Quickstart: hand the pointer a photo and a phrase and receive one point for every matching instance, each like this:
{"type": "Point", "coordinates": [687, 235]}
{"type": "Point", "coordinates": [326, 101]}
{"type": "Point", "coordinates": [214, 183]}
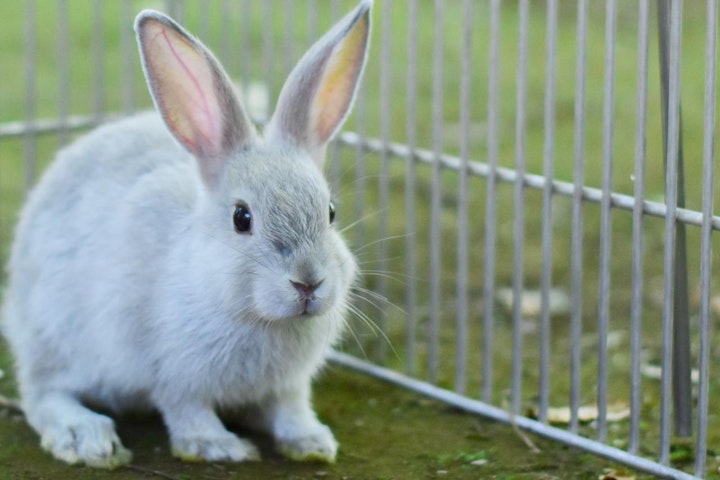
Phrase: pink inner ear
{"type": "Point", "coordinates": [183, 85]}
{"type": "Point", "coordinates": [337, 86]}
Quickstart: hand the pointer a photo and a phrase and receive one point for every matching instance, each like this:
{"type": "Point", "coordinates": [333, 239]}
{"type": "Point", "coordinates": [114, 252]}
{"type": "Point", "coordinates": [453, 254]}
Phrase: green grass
{"type": "Point", "coordinates": [384, 432]}
{"type": "Point", "coordinates": [241, 26]}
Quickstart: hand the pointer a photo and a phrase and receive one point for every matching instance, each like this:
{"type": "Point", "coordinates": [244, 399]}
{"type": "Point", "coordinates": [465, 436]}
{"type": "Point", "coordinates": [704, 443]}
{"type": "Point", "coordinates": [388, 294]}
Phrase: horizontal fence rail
{"type": "Point", "coordinates": [529, 187]}
{"type": "Point", "coordinates": [500, 415]}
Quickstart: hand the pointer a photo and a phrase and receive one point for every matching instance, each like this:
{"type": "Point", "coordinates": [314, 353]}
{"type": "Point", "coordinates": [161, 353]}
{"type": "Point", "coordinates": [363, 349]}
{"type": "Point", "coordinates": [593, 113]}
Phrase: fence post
{"type": "Point", "coordinates": [704, 358]}
{"type": "Point", "coordinates": [682, 394]}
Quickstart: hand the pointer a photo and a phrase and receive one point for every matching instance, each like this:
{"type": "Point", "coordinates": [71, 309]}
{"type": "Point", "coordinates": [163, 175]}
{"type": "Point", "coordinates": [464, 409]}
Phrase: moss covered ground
{"type": "Point", "coordinates": [385, 433]}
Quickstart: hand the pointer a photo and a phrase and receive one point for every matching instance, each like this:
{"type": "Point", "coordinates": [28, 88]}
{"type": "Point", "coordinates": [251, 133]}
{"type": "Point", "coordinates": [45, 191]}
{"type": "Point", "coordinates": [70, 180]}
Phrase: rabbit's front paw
{"type": "Point", "coordinates": [223, 448]}
{"type": "Point", "coordinates": [317, 445]}
{"type": "Point", "coordinates": [90, 440]}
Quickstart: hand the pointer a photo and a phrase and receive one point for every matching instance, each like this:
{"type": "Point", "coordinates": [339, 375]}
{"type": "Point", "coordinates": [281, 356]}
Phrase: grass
{"type": "Point", "coordinates": [242, 33]}
{"type": "Point", "coordinates": [384, 432]}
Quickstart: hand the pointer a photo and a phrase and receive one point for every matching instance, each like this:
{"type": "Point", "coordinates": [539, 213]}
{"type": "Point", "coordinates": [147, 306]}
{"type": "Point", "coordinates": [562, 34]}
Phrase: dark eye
{"type": "Point", "coordinates": [242, 218]}
{"type": "Point", "coordinates": [332, 212]}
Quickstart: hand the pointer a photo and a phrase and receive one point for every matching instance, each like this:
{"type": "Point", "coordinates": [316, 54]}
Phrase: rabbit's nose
{"type": "Point", "coordinates": [306, 290]}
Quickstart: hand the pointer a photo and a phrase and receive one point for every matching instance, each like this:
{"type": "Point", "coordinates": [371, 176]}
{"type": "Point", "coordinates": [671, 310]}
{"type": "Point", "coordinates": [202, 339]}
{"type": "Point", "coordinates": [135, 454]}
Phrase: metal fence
{"type": "Point", "coordinates": [528, 187]}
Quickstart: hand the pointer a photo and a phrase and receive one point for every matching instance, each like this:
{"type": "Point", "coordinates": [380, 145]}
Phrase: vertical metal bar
{"type": "Point", "coordinates": [605, 218]}
{"type": "Point", "coordinates": [637, 230]}
{"type": "Point", "coordinates": [312, 20]}
{"type": "Point", "coordinates": [203, 30]}
{"type": "Point", "coordinates": [682, 363]}
{"type": "Point", "coordinates": [289, 12]}
{"type": "Point", "coordinates": [244, 50]}
{"type": "Point", "coordinates": [706, 236]}
{"type": "Point", "coordinates": [335, 173]}
{"type": "Point", "coordinates": [268, 49]}
{"type": "Point", "coordinates": [227, 36]}
{"type": "Point", "coordinates": [63, 69]}
{"type": "Point", "coordinates": [176, 9]}
{"type": "Point", "coordinates": [435, 197]}
{"type": "Point", "coordinates": [519, 209]}
{"type": "Point", "coordinates": [681, 385]}
{"type": "Point", "coordinates": [671, 198]}
{"type": "Point", "coordinates": [360, 188]}
{"type": "Point", "coordinates": [461, 330]}
{"type": "Point", "coordinates": [30, 58]}
{"type": "Point", "coordinates": [127, 48]}
{"type": "Point", "coordinates": [547, 218]}
{"type": "Point", "coordinates": [491, 204]}
{"type": "Point", "coordinates": [576, 254]}
{"type": "Point", "coordinates": [410, 186]}
{"type": "Point", "coordinates": [360, 109]}
{"type": "Point", "coordinates": [3, 228]}
{"type": "Point", "coordinates": [384, 173]}
{"type": "Point", "coordinates": [334, 10]}
{"type": "Point", "coordinates": [98, 41]}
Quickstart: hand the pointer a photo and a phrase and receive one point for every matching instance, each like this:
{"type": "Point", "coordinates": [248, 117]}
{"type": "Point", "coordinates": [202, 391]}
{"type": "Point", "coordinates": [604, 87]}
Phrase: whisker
{"type": "Point", "coordinates": [373, 297]}
{"type": "Point", "coordinates": [359, 220]}
{"type": "Point", "coordinates": [377, 260]}
{"type": "Point", "coordinates": [365, 319]}
{"type": "Point", "coordinates": [352, 185]}
{"type": "Point", "coordinates": [349, 327]}
{"type": "Point", "coordinates": [396, 277]}
{"type": "Point", "coordinates": [375, 242]}
{"type": "Point", "coordinates": [374, 328]}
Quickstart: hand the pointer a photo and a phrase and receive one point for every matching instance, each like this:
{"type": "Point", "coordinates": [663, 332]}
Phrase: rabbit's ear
{"type": "Point", "coordinates": [320, 90]}
{"type": "Point", "coordinates": [192, 92]}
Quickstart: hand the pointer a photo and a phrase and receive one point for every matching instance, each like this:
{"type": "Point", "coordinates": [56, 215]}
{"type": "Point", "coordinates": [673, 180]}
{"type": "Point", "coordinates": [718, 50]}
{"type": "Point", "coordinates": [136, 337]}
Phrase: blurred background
{"type": "Point", "coordinates": [68, 65]}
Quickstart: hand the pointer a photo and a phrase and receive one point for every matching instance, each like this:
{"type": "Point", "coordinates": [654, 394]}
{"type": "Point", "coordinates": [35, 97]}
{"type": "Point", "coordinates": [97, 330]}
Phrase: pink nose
{"type": "Point", "coordinates": [305, 290]}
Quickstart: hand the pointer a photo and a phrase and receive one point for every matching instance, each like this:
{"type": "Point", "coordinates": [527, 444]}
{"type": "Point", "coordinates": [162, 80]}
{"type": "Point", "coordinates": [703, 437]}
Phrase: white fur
{"type": "Point", "coordinates": [130, 289]}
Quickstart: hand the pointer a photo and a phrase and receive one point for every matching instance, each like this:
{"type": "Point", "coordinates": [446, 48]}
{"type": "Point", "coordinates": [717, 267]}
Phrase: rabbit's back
{"type": "Point", "coordinates": [97, 172]}
{"type": "Point", "coordinates": [108, 162]}
{"type": "Point", "coordinates": [85, 249]}
{"type": "Point", "coordinates": [86, 196]}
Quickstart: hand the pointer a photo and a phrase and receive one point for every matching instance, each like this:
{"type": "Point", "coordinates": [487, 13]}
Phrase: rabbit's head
{"type": "Point", "coordinates": [264, 206]}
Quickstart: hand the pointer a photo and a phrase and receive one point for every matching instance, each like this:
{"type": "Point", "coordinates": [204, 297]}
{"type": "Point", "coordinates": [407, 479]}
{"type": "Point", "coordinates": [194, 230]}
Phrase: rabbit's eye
{"type": "Point", "coordinates": [332, 213]}
{"type": "Point", "coordinates": [242, 218]}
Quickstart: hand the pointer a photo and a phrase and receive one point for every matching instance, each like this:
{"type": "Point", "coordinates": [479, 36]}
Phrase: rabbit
{"type": "Point", "coordinates": [184, 263]}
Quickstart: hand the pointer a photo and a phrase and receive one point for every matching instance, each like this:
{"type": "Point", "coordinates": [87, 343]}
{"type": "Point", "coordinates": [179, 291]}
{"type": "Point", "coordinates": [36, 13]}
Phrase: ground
{"type": "Point", "coordinates": [384, 431]}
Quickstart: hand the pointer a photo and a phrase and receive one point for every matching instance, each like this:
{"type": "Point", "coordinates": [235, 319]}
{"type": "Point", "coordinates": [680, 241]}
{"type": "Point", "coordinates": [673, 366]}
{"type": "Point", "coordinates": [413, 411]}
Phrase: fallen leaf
{"type": "Point", "coordinates": [611, 474]}
{"type": "Point", "coordinates": [531, 301]}
{"type": "Point", "coordinates": [715, 304]}
{"type": "Point", "coordinates": [655, 372]}
{"type": "Point", "coordinates": [586, 414]}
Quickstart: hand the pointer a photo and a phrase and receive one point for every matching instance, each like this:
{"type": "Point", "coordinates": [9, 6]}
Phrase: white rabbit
{"type": "Point", "coordinates": [192, 275]}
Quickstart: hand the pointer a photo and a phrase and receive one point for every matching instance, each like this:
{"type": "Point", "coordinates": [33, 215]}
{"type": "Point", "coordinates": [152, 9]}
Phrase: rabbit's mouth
{"type": "Point", "coordinates": [307, 296]}
{"type": "Point", "coordinates": [301, 309]}
{"type": "Point", "coordinates": [294, 299]}
{"type": "Point", "coordinates": [310, 306]}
